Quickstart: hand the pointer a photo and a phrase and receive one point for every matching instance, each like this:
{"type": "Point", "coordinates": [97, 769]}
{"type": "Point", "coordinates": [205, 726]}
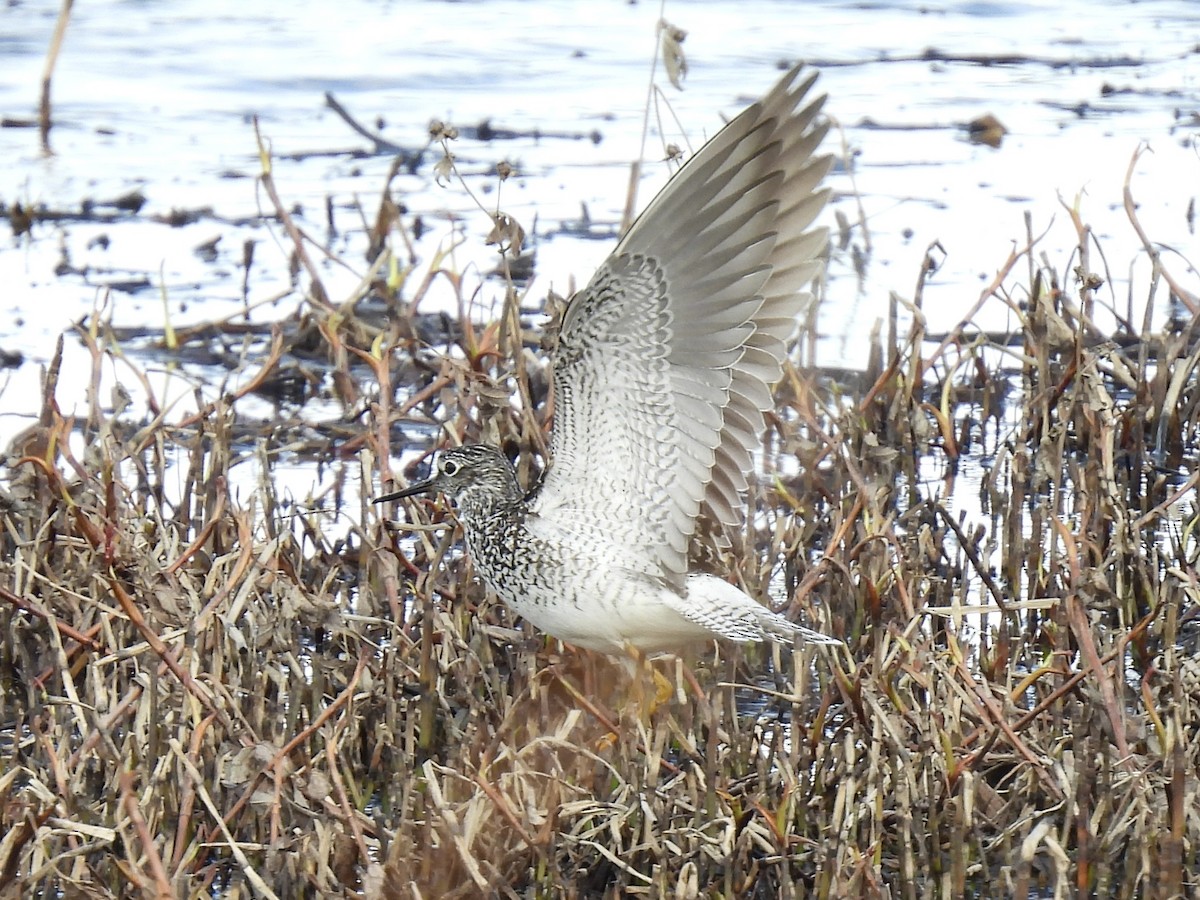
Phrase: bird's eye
{"type": "Point", "coordinates": [449, 467]}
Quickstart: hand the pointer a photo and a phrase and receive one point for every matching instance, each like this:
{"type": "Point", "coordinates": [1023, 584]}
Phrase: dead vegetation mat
{"type": "Point", "coordinates": [212, 690]}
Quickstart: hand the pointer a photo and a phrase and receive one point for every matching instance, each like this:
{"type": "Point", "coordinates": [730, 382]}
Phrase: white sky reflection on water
{"type": "Point", "coordinates": [159, 97]}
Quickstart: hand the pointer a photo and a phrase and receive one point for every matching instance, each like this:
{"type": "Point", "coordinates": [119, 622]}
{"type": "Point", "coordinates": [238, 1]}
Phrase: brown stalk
{"type": "Point", "coordinates": [319, 294]}
{"type": "Point", "coordinates": [339, 786]}
{"type": "Point", "coordinates": [264, 371]}
{"type": "Point", "coordinates": [1077, 617]}
{"type": "Point", "coordinates": [1186, 297]}
{"type": "Point", "coordinates": [73, 633]}
{"type": "Point", "coordinates": [187, 800]}
{"type": "Point", "coordinates": [129, 799]}
{"type": "Point", "coordinates": [275, 765]}
{"type": "Point", "coordinates": [60, 29]}
{"type": "Point", "coordinates": [203, 695]}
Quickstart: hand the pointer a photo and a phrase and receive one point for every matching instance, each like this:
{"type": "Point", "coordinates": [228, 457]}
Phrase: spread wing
{"type": "Point", "coordinates": [666, 359]}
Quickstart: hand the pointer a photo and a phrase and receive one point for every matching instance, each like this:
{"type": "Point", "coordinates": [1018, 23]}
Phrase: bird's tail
{"type": "Point", "coordinates": [730, 613]}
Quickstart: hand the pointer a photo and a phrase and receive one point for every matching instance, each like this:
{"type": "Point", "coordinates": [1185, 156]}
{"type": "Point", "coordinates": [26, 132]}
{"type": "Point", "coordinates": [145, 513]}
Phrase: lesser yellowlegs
{"type": "Point", "coordinates": [663, 370]}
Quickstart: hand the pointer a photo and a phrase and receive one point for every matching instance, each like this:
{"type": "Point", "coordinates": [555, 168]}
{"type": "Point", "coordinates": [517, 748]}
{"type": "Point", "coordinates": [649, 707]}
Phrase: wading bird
{"type": "Point", "coordinates": [664, 368]}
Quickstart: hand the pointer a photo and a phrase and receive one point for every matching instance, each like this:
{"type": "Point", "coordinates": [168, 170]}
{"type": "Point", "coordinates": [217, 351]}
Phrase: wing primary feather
{"type": "Point", "coordinates": [668, 357]}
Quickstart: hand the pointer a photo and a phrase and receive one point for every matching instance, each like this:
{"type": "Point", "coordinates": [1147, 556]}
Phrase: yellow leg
{"type": "Point", "coordinates": [649, 688]}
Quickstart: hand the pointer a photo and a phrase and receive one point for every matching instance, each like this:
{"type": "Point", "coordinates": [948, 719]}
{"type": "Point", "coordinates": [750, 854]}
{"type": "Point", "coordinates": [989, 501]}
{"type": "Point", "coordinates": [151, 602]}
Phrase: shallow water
{"type": "Point", "coordinates": [160, 97]}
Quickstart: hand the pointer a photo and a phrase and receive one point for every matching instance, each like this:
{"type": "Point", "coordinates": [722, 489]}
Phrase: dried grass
{"type": "Point", "coordinates": [205, 695]}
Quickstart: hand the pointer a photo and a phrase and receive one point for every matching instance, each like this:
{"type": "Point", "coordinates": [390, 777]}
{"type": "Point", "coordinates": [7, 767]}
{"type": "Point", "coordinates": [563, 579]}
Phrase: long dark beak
{"type": "Point", "coordinates": [420, 487]}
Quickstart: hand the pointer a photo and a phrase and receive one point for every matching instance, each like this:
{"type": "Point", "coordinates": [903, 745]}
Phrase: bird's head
{"type": "Point", "coordinates": [474, 476]}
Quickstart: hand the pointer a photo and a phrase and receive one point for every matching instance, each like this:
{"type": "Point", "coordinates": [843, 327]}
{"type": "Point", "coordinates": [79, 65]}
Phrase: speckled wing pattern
{"type": "Point", "coordinates": [666, 359]}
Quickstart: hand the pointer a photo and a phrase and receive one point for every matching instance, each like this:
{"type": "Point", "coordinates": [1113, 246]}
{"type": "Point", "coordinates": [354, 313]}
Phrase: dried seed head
{"type": "Point", "coordinates": [444, 168]}
{"type": "Point", "coordinates": [506, 232]}
{"type": "Point", "coordinates": [671, 43]}
{"type": "Point", "coordinates": [440, 131]}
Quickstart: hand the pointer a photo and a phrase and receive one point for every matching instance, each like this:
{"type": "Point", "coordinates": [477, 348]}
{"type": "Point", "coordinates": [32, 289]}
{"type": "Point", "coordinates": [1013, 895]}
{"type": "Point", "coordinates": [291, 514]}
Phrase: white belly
{"type": "Point", "coordinates": [575, 584]}
{"type": "Point", "coordinates": [613, 614]}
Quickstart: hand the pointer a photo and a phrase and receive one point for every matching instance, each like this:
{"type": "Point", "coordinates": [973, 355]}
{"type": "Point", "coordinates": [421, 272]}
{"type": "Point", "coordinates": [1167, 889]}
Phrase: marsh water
{"type": "Point", "coordinates": [158, 101]}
